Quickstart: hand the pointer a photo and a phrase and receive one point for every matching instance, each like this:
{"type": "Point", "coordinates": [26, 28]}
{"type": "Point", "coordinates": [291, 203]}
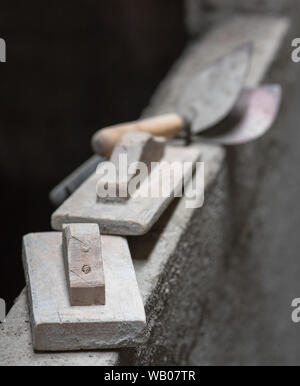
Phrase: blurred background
{"type": "Point", "coordinates": [72, 66]}
{"type": "Point", "coordinates": [75, 66]}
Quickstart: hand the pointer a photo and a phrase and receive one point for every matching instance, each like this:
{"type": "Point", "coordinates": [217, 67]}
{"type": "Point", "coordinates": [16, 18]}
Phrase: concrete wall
{"type": "Point", "coordinates": [199, 13]}
{"type": "Point", "coordinates": [240, 5]}
{"type": "Point", "coordinates": [247, 5]}
{"type": "Point", "coordinates": [260, 276]}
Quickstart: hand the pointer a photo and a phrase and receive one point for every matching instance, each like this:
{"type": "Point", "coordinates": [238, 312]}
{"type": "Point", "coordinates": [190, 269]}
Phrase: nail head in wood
{"type": "Point", "coordinates": [83, 264]}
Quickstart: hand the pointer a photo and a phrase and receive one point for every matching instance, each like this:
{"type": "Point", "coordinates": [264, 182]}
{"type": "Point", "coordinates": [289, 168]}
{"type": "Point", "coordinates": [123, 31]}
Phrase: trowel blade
{"type": "Point", "coordinates": [210, 95]}
{"type": "Point", "coordinates": [252, 117]}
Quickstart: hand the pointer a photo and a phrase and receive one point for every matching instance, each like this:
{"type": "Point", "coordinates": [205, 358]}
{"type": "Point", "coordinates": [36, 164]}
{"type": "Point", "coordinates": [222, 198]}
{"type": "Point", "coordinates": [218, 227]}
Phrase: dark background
{"type": "Point", "coordinates": [71, 66]}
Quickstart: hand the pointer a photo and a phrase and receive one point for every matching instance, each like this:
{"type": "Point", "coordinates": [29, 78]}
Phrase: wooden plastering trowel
{"type": "Point", "coordinates": [121, 213]}
{"type": "Point", "coordinates": [82, 291]}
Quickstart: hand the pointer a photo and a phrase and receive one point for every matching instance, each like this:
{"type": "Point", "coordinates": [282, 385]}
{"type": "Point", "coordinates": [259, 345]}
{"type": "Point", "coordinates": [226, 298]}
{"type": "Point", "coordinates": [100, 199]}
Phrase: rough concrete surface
{"type": "Point", "coordinates": [261, 274]}
{"type": "Point", "coordinates": [16, 345]}
{"type": "Point", "coordinates": [182, 264]}
{"type": "Point", "coordinates": [247, 5]}
{"type": "Point", "coordinates": [199, 13]}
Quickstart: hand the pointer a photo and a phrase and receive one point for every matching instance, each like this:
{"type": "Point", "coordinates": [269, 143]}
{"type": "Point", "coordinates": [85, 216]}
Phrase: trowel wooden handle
{"type": "Point", "coordinates": [167, 125]}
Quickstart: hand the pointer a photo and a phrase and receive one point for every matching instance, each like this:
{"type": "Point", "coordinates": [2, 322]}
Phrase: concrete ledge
{"type": "Point", "coordinates": [246, 5]}
{"type": "Point", "coordinates": [179, 261]}
{"type": "Point", "coordinates": [217, 10]}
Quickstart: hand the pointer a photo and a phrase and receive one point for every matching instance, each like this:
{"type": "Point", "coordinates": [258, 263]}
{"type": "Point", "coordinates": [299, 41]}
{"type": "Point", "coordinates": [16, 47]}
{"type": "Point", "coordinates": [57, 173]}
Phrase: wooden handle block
{"type": "Point", "coordinates": [83, 263]}
{"type": "Point", "coordinates": [135, 147]}
{"type": "Point", "coordinates": [168, 125]}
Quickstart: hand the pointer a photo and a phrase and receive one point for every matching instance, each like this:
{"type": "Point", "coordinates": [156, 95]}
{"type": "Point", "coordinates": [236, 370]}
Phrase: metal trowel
{"type": "Point", "coordinates": [251, 117]}
{"type": "Point", "coordinates": [208, 99]}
